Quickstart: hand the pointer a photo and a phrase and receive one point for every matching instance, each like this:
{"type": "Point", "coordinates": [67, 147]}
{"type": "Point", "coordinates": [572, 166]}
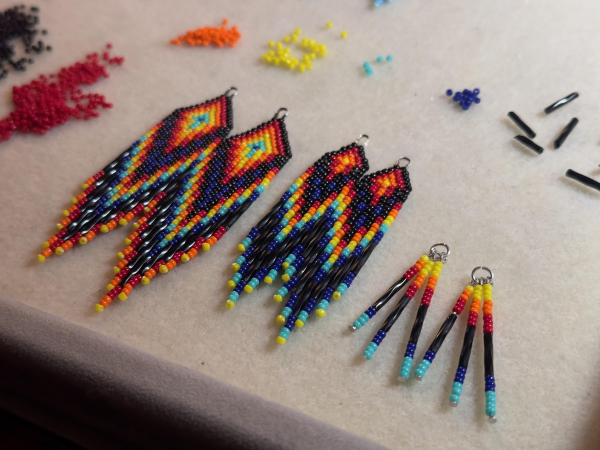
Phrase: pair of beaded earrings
{"type": "Point", "coordinates": [432, 265]}
{"type": "Point", "coordinates": [321, 233]}
{"type": "Point", "coordinates": [190, 182]}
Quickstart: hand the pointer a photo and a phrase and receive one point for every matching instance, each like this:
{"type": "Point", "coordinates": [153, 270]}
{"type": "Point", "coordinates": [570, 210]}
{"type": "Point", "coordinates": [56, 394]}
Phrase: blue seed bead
{"type": "Point", "coordinates": [429, 355]}
{"type": "Point", "coordinates": [477, 100]}
{"type": "Point", "coordinates": [449, 92]}
{"type": "Point", "coordinates": [460, 374]}
{"type": "Point", "coordinates": [476, 91]}
{"type": "Point", "coordinates": [457, 97]}
{"type": "Point", "coordinates": [410, 350]}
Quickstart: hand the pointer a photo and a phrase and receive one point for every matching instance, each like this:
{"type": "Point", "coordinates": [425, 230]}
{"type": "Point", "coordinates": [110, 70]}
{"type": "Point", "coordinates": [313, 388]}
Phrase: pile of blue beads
{"type": "Point", "coordinates": [466, 97]}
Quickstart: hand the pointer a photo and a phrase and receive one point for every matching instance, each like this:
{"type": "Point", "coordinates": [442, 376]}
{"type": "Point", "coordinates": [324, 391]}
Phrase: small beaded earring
{"type": "Point", "coordinates": [434, 262]}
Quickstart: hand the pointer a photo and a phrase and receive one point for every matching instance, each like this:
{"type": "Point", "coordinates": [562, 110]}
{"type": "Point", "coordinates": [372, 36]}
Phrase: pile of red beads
{"type": "Point", "coordinates": [52, 100]}
{"type": "Point", "coordinates": [17, 23]}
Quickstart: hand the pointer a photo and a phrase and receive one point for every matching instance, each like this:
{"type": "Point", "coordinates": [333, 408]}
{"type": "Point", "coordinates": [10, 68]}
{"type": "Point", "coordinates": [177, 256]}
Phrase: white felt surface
{"type": "Point", "coordinates": [492, 201]}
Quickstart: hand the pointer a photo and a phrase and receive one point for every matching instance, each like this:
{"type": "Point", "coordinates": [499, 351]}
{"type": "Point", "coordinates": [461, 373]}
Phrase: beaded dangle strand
{"type": "Point", "coordinates": [379, 198]}
{"type": "Point", "coordinates": [482, 286]}
{"type": "Point", "coordinates": [156, 165]}
{"type": "Point", "coordinates": [322, 192]}
{"type": "Point", "coordinates": [432, 264]}
{"type": "Point", "coordinates": [175, 230]}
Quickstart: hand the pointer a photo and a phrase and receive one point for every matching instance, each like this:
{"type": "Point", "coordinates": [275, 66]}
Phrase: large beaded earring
{"type": "Point", "coordinates": [299, 219]}
{"type": "Point", "coordinates": [196, 214]}
{"type": "Point", "coordinates": [155, 164]}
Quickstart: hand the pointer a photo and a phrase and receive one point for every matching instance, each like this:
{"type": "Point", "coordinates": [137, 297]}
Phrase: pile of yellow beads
{"type": "Point", "coordinates": [281, 55]}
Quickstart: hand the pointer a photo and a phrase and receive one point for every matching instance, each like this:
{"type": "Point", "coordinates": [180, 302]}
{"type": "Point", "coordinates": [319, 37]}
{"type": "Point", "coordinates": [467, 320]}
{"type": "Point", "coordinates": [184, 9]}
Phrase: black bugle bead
{"type": "Point", "coordinates": [589, 182]}
{"type": "Point", "coordinates": [418, 325]}
{"type": "Point", "coordinates": [522, 125]}
{"type": "Point", "coordinates": [529, 144]}
{"type": "Point", "coordinates": [395, 314]}
{"type": "Point", "coordinates": [442, 333]}
{"type": "Point", "coordinates": [563, 101]}
{"type": "Point", "coordinates": [387, 295]}
{"type": "Point", "coordinates": [488, 354]}
{"type": "Point", "coordinates": [465, 352]}
{"type": "Point", "coordinates": [565, 133]}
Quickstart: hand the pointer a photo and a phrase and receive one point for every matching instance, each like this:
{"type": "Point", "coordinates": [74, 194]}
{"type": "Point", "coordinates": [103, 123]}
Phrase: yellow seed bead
{"type": "Point", "coordinates": [235, 267]}
{"type": "Point", "coordinates": [299, 323]}
{"type": "Point", "coordinates": [285, 277]}
{"type": "Point", "coordinates": [285, 265]}
{"type": "Point", "coordinates": [424, 258]}
{"type": "Point", "coordinates": [136, 226]}
{"type": "Point", "coordinates": [297, 31]}
{"type": "Point", "coordinates": [122, 296]}
{"type": "Point", "coordinates": [85, 186]}
{"type": "Point", "coordinates": [59, 227]}
{"type": "Point", "coordinates": [59, 251]}
{"type": "Point", "coordinates": [41, 258]}
{"type": "Point", "coordinates": [294, 38]}
{"type": "Point", "coordinates": [278, 298]}
{"type": "Point", "coordinates": [344, 35]}
{"type": "Point", "coordinates": [280, 340]}
{"type": "Point", "coordinates": [99, 307]}
{"type": "Point", "coordinates": [109, 287]}
{"type": "Point", "coordinates": [74, 200]}
{"type": "Point", "coordinates": [469, 288]}
{"type": "Point", "coordinates": [248, 288]}
{"type": "Point", "coordinates": [83, 241]}
{"type": "Point", "coordinates": [241, 247]}
{"type": "Point", "coordinates": [163, 269]}
{"type": "Point", "coordinates": [321, 313]}
{"type": "Point", "coordinates": [271, 44]}
{"type": "Point", "coordinates": [185, 258]}
{"type": "Point", "coordinates": [229, 304]}
{"type": "Point", "coordinates": [302, 68]}
{"type": "Point", "coordinates": [116, 270]}
{"type": "Point", "coordinates": [337, 295]}
{"type": "Point", "coordinates": [120, 256]}
{"type": "Point", "coordinates": [104, 229]}
{"type": "Point", "coordinates": [286, 39]}
{"type": "Point", "coordinates": [206, 246]}
{"type": "Point", "coordinates": [281, 320]}
{"type": "Point", "coordinates": [65, 213]}
{"type": "Point", "coordinates": [329, 24]}
{"type": "Point", "coordinates": [231, 284]}
{"type": "Point", "coordinates": [312, 55]}
{"type": "Point", "coordinates": [268, 280]}
{"type": "Point", "coordinates": [127, 241]}
{"type": "Point", "coordinates": [46, 245]}
{"type": "Point", "coordinates": [145, 280]}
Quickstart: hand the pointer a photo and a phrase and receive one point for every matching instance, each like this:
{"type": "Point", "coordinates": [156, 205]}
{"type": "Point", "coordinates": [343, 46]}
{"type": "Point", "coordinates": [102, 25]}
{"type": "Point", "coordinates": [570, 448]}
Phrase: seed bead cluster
{"type": "Point", "coordinates": [206, 36]}
{"type": "Point", "coordinates": [280, 55]}
{"type": "Point", "coordinates": [52, 100]}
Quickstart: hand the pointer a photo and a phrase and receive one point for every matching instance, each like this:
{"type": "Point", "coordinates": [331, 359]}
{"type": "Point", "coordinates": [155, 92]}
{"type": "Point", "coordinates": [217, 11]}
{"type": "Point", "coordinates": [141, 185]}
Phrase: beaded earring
{"type": "Point", "coordinates": [156, 164]}
{"type": "Point", "coordinates": [318, 196]}
{"type": "Point", "coordinates": [204, 206]}
{"type": "Point", "coordinates": [482, 285]}
{"type": "Point", "coordinates": [327, 267]}
{"type": "Point", "coordinates": [434, 262]}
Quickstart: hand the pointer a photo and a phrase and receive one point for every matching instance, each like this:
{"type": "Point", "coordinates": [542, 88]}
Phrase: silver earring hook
{"type": "Point", "coordinates": [278, 115]}
{"type": "Point", "coordinates": [231, 92]}
{"type": "Point", "coordinates": [486, 280]}
{"type": "Point", "coordinates": [404, 158]}
{"type": "Point", "coordinates": [365, 143]}
{"type": "Point", "coordinates": [434, 255]}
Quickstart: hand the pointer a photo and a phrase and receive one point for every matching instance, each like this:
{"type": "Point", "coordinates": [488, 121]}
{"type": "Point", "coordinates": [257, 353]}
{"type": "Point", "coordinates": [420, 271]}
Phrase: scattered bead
{"type": "Point", "coordinates": [329, 24]}
{"type": "Point", "coordinates": [344, 35]}
{"type": "Point", "coordinates": [210, 35]}
{"type": "Point", "coordinates": [449, 92]}
{"type": "Point", "coordinates": [389, 58]}
{"type": "Point", "coordinates": [465, 98]}
{"type": "Point", "coordinates": [380, 59]}
{"type": "Point", "coordinates": [46, 102]}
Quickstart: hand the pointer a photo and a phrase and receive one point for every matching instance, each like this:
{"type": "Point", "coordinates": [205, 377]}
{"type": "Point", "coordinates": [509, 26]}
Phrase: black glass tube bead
{"type": "Point", "coordinates": [392, 290]}
{"type": "Point", "coordinates": [442, 333]}
{"type": "Point", "coordinates": [395, 314]}
{"type": "Point", "coordinates": [522, 125]}
{"type": "Point", "coordinates": [530, 144]}
{"type": "Point", "coordinates": [488, 354]}
{"type": "Point", "coordinates": [589, 182]}
{"type": "Point", "coordinates": [418, 325]}
{"type": "Point", "coordinates": [565, 132]}
{"type": "Point", "coordinates": [563, 101]}
{"type": "Point", "coordinates": [465, 352]}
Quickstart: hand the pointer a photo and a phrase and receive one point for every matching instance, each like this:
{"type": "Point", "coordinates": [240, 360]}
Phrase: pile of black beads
{"type": "Point", "coordinates": [17, 23]}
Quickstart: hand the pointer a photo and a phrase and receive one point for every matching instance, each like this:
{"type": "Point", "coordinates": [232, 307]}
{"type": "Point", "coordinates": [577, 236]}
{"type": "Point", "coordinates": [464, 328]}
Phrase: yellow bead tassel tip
{"type": "Point", "coordinates": [280, 55]}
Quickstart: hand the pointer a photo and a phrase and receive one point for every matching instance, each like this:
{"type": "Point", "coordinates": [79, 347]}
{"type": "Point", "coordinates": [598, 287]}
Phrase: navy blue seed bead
{"type": "Point", "coordinates": [490, 383]}
{"type": "Point", "coordinates": [410, 350]}
{"type": "Point", "coordinates": [449, 92]}
{"type": "Point", "coordinates": [290, 322]}
{"type": "Point", "coordinates": [457, 97]}
{"type": "Point", "coordinates": [371, 312]}
{"type": "Point", "coordinates": [460, 374]}
{"type": "Point", "coordinates": [429, 355]}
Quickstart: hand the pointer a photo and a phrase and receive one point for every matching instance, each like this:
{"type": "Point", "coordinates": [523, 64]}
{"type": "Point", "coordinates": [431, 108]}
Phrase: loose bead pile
{"type": "Point", "coordinates": [52, 100]}
{"type": "Point", "coordinates": [369, 69]}
{"type": "Point", "coordinates": [465, 98]}
{"type": "Point", "coordinates": [281, 55]}
{"type": "Point", "coordinates": [16, 23]}
{"type": "Point", "coordinates": [321, 193]}
{"type": "Point", "coordinates": [210, 35]}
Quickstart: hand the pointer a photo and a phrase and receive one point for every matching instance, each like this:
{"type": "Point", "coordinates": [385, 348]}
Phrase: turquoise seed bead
{"type": "Point", "coordinates": [457, 388]}
{"type": "Point", "coordinates": [284, 333]}
{"type": "Point", "coordinates": [233, 296]}
{"type": "Point", "coordinates": [422, 368]}
{"type": "Point", "coordinates": [236, 277]}
{"type": "Point", "coordinates": [286, 312]}
{"type": "Point", "coordinates": [272, 274]}
{"type": "Point", "coordinates": [323, 304]}
{"type": "Point", "coordinates": [260, 188]}
{"type": "Point", "coordinates": [454, 398]}
{"type": "Point", "coordinates": [253, 282]}
{"type": "Point", "coordinates": [240, 260]}
{"type": "Point", "coordinates": [282, 291]}
{"type": "Point", "coordinates": [303, 316]}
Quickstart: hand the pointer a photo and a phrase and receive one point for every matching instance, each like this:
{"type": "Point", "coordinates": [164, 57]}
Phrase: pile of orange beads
{"type": "Point", "coordinates": [281, 55]}
{"type": "Point", "coordinates": [210, 35]}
